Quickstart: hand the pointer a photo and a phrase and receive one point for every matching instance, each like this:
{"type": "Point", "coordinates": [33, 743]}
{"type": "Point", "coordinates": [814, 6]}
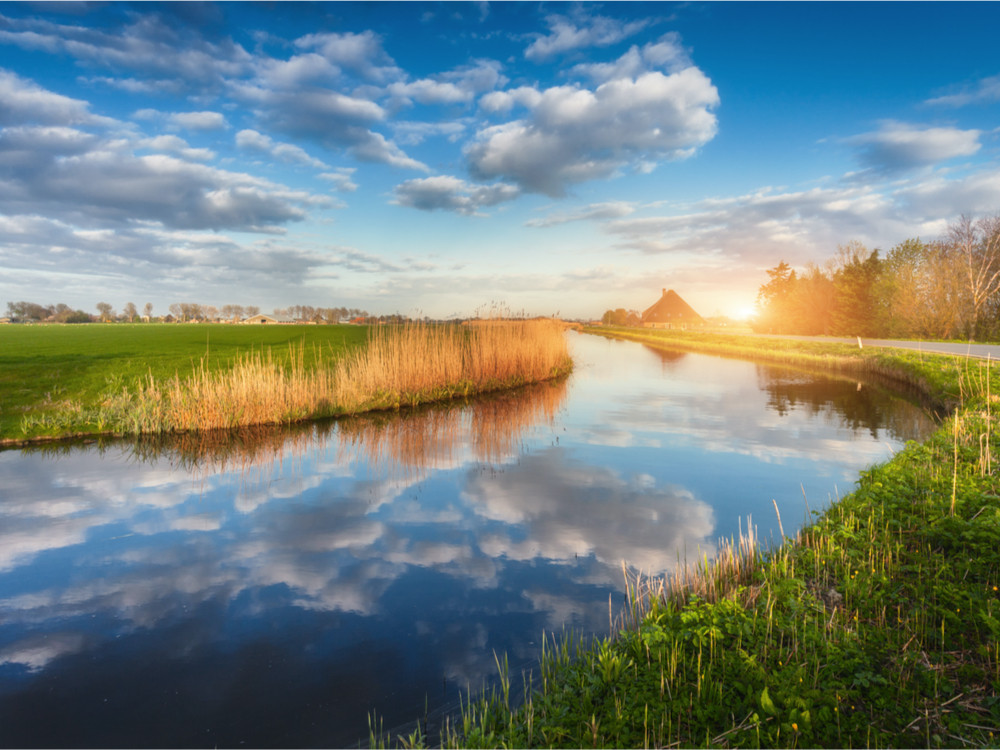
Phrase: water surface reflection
{"type": "Point", "coordinates": [271, 587]}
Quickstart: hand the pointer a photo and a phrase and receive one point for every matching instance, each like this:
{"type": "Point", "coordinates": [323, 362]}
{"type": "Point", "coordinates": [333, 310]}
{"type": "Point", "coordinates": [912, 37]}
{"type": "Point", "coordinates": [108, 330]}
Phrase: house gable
{"type": "Point", "coordinates": [670, 311]}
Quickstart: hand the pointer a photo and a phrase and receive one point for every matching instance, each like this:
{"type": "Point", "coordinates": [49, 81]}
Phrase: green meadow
{"type": "Point", "coordinates": [43, 368]}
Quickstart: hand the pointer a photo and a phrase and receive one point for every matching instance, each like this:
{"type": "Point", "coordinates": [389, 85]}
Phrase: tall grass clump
{"type": "Point", "coordinates": [400, 366]}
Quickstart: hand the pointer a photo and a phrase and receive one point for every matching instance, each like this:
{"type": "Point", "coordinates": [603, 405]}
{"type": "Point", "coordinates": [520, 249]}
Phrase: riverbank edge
{"type": "Point", "coordinates": [878, 624]}
{"type": "Point", "coordinates": [385, 403]}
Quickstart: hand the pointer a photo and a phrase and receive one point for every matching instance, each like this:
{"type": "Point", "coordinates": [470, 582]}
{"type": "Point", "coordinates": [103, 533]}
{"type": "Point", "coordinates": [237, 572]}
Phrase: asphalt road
{"type": "Point", "coordinates": [933, 347]}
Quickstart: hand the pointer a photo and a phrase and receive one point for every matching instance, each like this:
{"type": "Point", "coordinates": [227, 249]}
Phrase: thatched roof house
{"type": "Point", "coordinates": [670, 311]}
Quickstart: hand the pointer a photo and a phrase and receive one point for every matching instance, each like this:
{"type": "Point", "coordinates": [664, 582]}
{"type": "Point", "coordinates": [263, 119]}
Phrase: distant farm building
{"type": "Point", "coordinates": [670, 311]}
{"type": "Point", "coordinates": [269, 320]}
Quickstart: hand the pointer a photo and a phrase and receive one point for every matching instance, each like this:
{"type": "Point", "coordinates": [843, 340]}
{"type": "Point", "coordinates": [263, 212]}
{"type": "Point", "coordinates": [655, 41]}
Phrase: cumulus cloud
{"type": "Point", "coordinates": [567, 34]}
{"type": "Point", "coordinates": [459, 86]}
{"type": "Point", "coordinates": [451, 194]}
{"type": "Point", "coordinates": [898, 147]}
{"type": "Point", "coordinates": [342, 179]}
{"type": "Point", "coordinates": [286, 152]}
{"type": "Point", "coordinates": [147, 45]}
{"type": "Point", "coordinates": [573, 134]}
{"type": "Point", "coordinates": [665, 54]}
{"type": "Point", "coordinates": [175, 145]}
{"type": "Point", "coordinates": [23, 101]}
{"type": "Point", "coordinates": [504, 101]}
{"type": "Point", "coordinates": [413, 133]}
{"type": "Point", "coordinates": [330, 118]}
{"type": "Point", "coordinates": [308, 69]}
{"type": "Point", "coordinates": [361, 53]}
{"type": "Point", "coordinates": [66, 174]}
{"type": "Point", "coordinates": [199, 120]}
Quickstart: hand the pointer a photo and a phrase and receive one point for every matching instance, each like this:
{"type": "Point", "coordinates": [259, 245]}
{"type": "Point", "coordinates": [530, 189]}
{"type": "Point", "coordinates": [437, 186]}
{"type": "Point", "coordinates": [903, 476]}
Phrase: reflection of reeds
{"type": "Point", "coordinates": [240, 450]}
{"type": "Point", "coordinates": [435, 436]}
{"type": "Point", "coordinates": [397, 445]}
{"type": "Point", "coordinates": [401, 366]}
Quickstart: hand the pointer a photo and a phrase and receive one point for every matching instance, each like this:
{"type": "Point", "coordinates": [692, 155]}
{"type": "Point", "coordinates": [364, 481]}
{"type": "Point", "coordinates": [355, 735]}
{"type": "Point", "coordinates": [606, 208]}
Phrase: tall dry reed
{"type": "Point", "coordinates": [400, 366]}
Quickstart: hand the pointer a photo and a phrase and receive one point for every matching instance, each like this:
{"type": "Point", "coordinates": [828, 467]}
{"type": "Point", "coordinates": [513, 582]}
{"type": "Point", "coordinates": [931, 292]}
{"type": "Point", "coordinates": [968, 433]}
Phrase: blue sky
{"type": "Point", "coordinates": [439, 159]}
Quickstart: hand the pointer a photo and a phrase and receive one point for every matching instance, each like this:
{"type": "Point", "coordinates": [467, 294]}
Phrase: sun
{"type": "Point", "coordinates": [745, 313]}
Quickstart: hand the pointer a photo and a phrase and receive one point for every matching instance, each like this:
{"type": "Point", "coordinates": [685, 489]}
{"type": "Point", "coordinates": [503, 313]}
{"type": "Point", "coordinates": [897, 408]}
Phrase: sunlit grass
{"type": "Point", "coordinates": [49, 373]}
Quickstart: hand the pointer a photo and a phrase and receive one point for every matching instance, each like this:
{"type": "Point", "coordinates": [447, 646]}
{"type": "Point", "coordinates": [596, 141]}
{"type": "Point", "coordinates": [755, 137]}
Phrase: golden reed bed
{"type": "Point", "coordinates": [401, 366]}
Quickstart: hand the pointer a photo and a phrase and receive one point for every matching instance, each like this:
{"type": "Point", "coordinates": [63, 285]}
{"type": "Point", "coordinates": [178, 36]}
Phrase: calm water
{"type": "Point", "coordinates": [273, 589]}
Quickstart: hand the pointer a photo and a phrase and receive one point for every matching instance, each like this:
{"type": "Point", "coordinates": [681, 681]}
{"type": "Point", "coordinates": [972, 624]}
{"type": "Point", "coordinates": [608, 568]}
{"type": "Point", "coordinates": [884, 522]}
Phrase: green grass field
{"type": "Point", "coordinates": [43, 367]}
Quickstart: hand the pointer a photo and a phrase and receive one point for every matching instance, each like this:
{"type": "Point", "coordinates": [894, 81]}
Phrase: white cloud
{"type": "Point", "coordinates": [330, 118]}
{"type": "Point", "coordinates": [451, 194]}
{"type": "Point", "coordinates": [174, 145]}
{"type": "Point", "coordinates": [427, 91]}
{"type": "Point", "coordinates": [897, 147]}
{"type": "Point", "coordinates": [504, 101]}
{"type": "Point", "coordinates": [567, 34]}
{"type": "Point", "coordinates": [944, 198]}
{"type": "Point", "coordinates": [361, 53]}
{"type": "Point", "coordinates": [66, 174]}
{"type": "Point", "coordinates": [574, 134]}
{"type": "Point", "coordinates": [286, 152]}
{"type": "Point", "coordinates": [413, 133]}
{"type": "Point", "coordinates": [342, 179]}
{"type": "Point", "coordinates": [459, 86]}
{"type": "Point", "coordinates": [665, 54]}
{"type": "Point", "coordinates": [199, 120]}
{"type": "Point", "coordinates": [984, 91]}
{"type": "Point", "coordinates": [23, 101]}
{"type": "Point", "coordinates": [299, 70]}
{"type": "Point", "coordinates": [148, 45]}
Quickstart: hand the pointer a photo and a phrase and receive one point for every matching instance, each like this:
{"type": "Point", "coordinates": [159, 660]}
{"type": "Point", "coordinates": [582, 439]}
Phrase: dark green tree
{"type": "Point", "coordinates": [857, 310]}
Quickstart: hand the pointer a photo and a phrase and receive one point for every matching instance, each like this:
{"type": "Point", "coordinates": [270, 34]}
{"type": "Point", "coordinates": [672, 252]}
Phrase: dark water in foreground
{"type": "Point", "coordinates": [272, 590]}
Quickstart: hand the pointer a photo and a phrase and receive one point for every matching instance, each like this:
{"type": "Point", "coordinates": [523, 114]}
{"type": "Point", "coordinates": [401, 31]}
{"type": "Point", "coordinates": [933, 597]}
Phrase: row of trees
{"type": "Point", "coordinates": [32, 312]}
{"type": "Point", "coordinates": [621, 317]}
{"type": "Point", "coordinates": [945, 288]}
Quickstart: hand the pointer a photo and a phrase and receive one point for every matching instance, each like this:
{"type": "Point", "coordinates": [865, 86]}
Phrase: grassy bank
{"type": "Point", "coordinates": [879, 624]}
{"type": "Point", "coordinates": [395, 366]}
{"type": "Point", "coordinates": [46, 370]}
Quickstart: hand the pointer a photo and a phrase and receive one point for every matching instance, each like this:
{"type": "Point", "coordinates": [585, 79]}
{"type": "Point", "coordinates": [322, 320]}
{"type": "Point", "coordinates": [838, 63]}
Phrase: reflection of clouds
{"type": "Point", "coordinates": [560, 609]}
{"type": "Point", "coordinates": [48, 505]}
{"type": "Point", "coordinates": [571, 510]}
{"type": "Point", "coordinates": [35, 652]}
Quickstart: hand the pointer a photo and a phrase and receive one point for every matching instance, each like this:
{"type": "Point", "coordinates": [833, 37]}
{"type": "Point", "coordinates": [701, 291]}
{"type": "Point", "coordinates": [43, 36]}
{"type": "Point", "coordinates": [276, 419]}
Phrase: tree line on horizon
{"type": "Point", "coordinates": [940, 289]}
{"type": "Point", "coordinates": [182, 312]}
